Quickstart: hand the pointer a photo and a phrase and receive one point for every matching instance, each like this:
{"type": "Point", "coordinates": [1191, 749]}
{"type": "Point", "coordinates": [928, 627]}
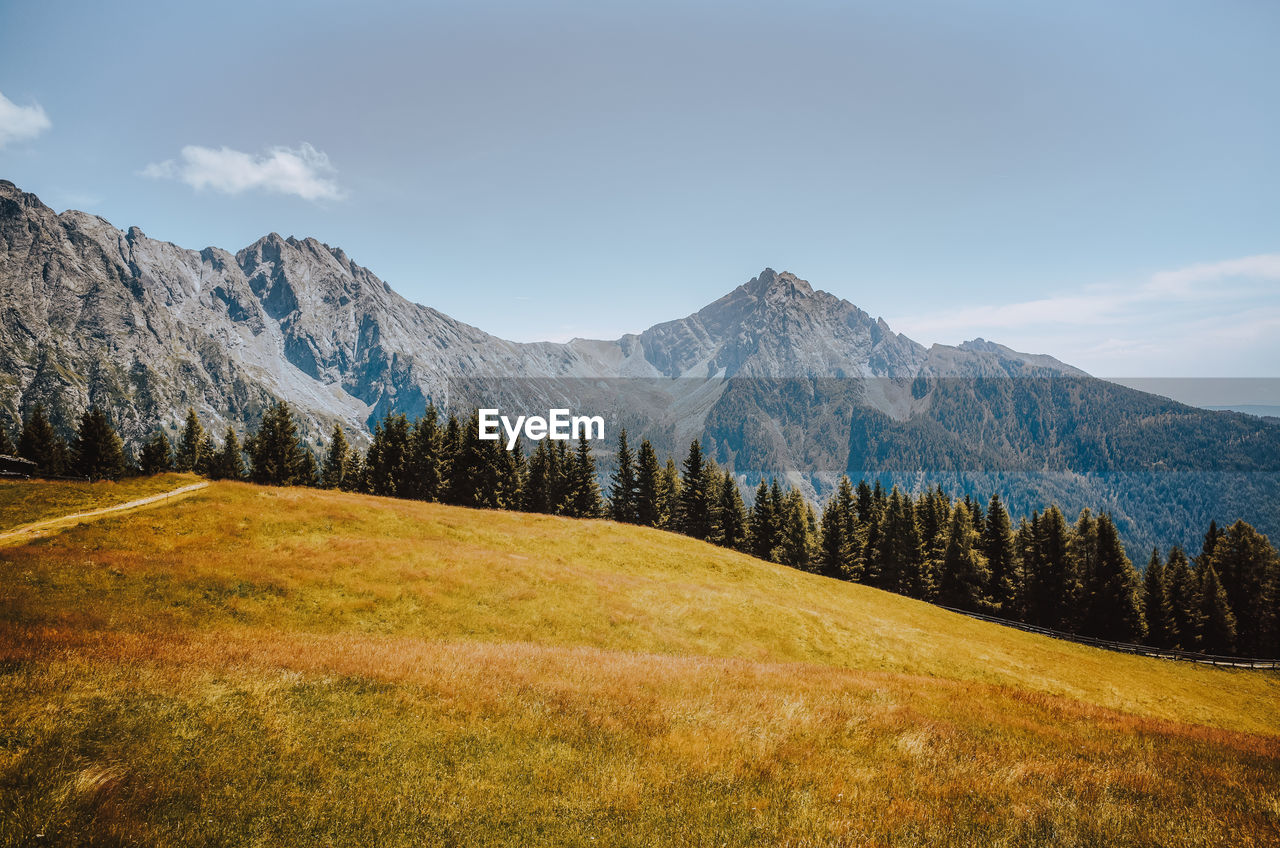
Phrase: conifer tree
{"type": "Point", "coordinates": [584, 491]}
{"type": "Point", "coordinates": [695, 500]}
{"type": "Point", "coordinates": [796, 542]}
{"type": "Point", "coordinates": [964, 578]}
{"type": "Point", "coordinates": [276, 454]}
{"type": "Point", "coordinates": [7, 447]}
{"type": "Point", "coordinates": [476, 473]}
{"type": "Point", "coordinates": [648, 487]}
{"type": "Point", "coordinates": [40, 444]}
{"type": "Point", "coordinates": [933, 517]}
{"type": "Point", "coordinates": [764, 528]}
{"type": "Point", "coordinates": [335, 460]}
{"type": "Point", "coordinates": [1246, 565]}
{"type": "Point", "coordinates": [847, 514]}
{"type": "Point", "coordinates": [831, 529]}
{"type": "Point", "coordinates": [1055, 584]}
{"type": "Point", "coordinates": [427, 456]}
{"type": "Point", "coordinates": [1028, 567]}
{"type": "Point", "coordinates": [97, 452]}
{"type": "Point", "coordinates": [1218, 622]}
{"type": "Point", "coordinates": [901, 561]}
{"type": "Point", "coordinates": [228, 462]}
{"type": "Point", "coordinates": [387, 461]}
{"type": "Point", "coordinates": [670, 499]}
{"type": "Point", "coordinates": [512, 475]}
{"type": "Point", "coordinates": [733, 514]}
{"type": "Point", "coordinates": [624, 493]}
{"type": "Point", "coordinates": [156, 456]}
{"type": "Point", "coordinates": [1115, 592]}
{"type": "Point", "coordinates": [537, 491]}
{"type": "Point", "coordinates": [562, 478]}
{"type": "Point", "coordinates": [354, 477]}
{"type": "Point", "coordinates": [1185, 603]}
{"type": "Point", "coordinates": [871, 520]}
{"type": "Point", "coordinates": [1082, 553]}
{"type": "Point", "coordinates": [188, 455]}
{"type": "Point", "coordinates": [1161, 627]}
{"type": "Point", "coordinates": [1002, 560]}
{"type": "Point", "coordinates": [450, 447]}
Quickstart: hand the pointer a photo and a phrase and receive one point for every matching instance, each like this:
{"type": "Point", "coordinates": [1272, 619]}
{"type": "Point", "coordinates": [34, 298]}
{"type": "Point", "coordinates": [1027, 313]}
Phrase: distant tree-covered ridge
{"type": "Point", "coordinates": [962, 552]}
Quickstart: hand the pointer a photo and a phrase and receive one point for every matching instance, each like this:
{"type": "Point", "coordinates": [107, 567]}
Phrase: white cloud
{"type": "Point", "coordinates": [1213, 318]}
{"type": "Point", "coordinates": [20, 123]}
{"type": "Point", "coordinates": [1182, 281]}
{"type": "Point", "coordinates": [304, 172]}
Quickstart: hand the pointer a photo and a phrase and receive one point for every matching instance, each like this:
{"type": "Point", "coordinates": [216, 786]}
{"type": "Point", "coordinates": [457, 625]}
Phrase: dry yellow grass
{"type": "Point", "coordinates": [267, 666]}
{"type": "Point", "coordinates": [25, 502]}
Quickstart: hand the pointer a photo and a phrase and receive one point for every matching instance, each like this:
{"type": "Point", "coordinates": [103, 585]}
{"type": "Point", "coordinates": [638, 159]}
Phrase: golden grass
{"type": "Point", "coordinates": [28, 501]}
{"type": "Point", "coordinates": [265, 666]}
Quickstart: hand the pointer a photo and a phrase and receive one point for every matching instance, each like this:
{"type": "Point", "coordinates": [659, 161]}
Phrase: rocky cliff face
{"type": "Point", "coordinates": [774, 377]}
{"type": "Point", "coordinates": [147, 328]}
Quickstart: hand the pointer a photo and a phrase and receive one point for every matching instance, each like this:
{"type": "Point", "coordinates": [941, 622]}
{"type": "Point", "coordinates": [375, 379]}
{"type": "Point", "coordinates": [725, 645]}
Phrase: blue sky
{"type": "Point", "coordinates": [1098, 181]}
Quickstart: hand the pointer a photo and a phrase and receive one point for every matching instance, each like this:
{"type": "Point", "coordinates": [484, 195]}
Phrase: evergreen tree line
{"type": "Point", "coordinates": [1075, 577]}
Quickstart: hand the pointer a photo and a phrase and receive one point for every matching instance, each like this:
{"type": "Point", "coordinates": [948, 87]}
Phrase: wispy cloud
{"type": "Point", "coordinates": [304, 172]}
{"type": "Point", "coordinates": [1210, 317]}
{"type": "Point", "coordinates": [21, 123]}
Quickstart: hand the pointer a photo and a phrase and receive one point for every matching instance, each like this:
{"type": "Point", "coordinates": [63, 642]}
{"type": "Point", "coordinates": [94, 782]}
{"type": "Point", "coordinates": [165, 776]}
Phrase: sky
{"type": "Point", "coordinates": [1095, 180]}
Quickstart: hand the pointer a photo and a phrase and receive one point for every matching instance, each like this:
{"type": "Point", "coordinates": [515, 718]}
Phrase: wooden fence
{"type": "Point", "coordinates": [1126, 647]}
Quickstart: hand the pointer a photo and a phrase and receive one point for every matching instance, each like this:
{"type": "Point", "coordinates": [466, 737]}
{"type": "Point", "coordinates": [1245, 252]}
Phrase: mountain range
{"type": "Point", "coordinates": [775, 378]}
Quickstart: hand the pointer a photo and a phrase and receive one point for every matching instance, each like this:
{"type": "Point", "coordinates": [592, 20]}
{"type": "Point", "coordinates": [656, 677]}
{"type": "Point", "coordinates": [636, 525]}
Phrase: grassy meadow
{"type": "Point", "coordinates": [252, 666]}
{"type": "Point", "coordinates": [28, 501]}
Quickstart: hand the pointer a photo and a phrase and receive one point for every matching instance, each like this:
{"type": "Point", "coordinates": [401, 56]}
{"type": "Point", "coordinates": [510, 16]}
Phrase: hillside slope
{"type": "Point", "coordinates": [266, 666]}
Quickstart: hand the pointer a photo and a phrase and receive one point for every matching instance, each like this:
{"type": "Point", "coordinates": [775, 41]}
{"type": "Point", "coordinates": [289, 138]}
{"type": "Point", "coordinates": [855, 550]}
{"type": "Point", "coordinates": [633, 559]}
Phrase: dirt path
{"type": "Point", "coordinates": [48, 526]}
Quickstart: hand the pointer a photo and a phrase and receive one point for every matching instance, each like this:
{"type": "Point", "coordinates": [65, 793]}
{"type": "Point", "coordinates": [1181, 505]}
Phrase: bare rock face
{"type": "Point", "coordinates": [775, 378]}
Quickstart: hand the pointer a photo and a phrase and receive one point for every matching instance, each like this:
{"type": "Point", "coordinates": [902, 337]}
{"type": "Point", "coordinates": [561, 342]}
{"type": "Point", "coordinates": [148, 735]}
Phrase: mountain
{"type": "Point", "coordinates": [775, 378]}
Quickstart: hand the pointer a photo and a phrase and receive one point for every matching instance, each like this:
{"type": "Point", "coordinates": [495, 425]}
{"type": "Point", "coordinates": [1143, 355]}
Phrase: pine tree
{"type": "Point", "coordinates": [1028, 566]}
{"type": "Point", "coordinates": [965, 576]}
{"type": "Point", "coordinates": [584, 491]}
{"type": "Point", "coordinates": [562, 478]}
{"type": "Point", "coordinates": [40, 444]}
{"type": "Point", "coordinates": [7, 447]}
{"type": "Point", "coordinates": [1218, 627]}
{"type": "Point", "coordinates": [335, 460]}
{"type": "Point", "coordinates": [1185, 603]}
{"type": "Point", "coordinates": [1055, 584]}
{"type": "Point", "coordinates": [476, 473]}
{"type": "Point", "coordinates": [537, 490]}
{"type": "Point", "coordinates": [1161, 627]}
{"type": "Point", "coordinates": [733, 514]}
{"type": "Point", "coordinates": [388, 459]}
{"type": "Point", "coordinates": [624, 494]}
{"type": "Point", "coordinates": [796, 543]}
{"type": "Point", "coordinates": [1082, 555]}
{"type": "Point", "coordinates": [831, 530]}
{"type": "Point", "coordinates": [1246, 565]}
{"type": "Point", "coordinates": [276, 455]}
{"type": "Point", "coordinates": [450, 447]}
{"type": "Point", "coordinates": [97, 452]}
{"type": "Point", "coordinates": [764, 524]}
{"type": "Point", "coordinates": [1002, 560]}
{"type": "Point", "coordinates": [669, 499]}
{"type": "Point", "coordinates": [228, 462]}
{"type": "Point", "coordinates": [427, 457]}
{"type": "Point", "coordinates": [156, 456]}
{"type": "Point", "coordinates": [694, 511]}
{"type": "Point", "coordinates": [901, 557]}
{"type": "Point", "coordinates": [1115, 591]}
{"type": "Point", "coordinates": [188, 455]}
{"type": "Point", "coordinates": [648, 486]}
